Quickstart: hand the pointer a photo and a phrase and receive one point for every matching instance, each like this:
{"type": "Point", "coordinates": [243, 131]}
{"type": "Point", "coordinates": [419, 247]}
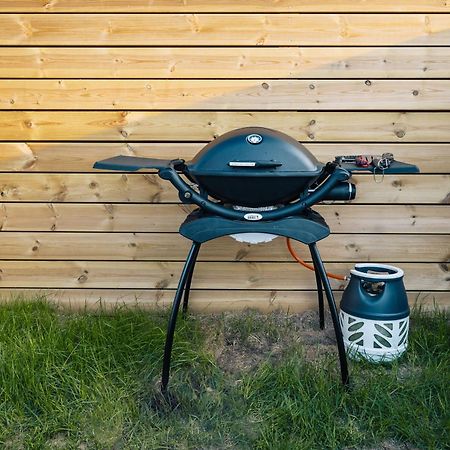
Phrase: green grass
{"type": "Point", "coordinates": [240, 381]}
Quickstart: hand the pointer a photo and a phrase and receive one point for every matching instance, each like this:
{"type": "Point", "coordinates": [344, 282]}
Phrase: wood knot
{"type": "Point", "coordinates": [162, 284]}
{"type": "Point", "coordinates": [241, 254]}
{"type": "Point", "coordinates": [272, 297]}
{"type": "Point", "coordinates": [261, 40]}
{"type": "Point", "coordinates": [265, 85]}
{"type": "Point", "coordinates": [415, 93]}
{"type": "Point", "coordinates": [368, 83]}
{"type": "Point", "coordinates": [82, 278]}
{"type": "Point", "coordinates": [400, 133]}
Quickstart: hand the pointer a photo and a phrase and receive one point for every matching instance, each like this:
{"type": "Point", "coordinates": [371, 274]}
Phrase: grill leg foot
{"type": "Point", "coordinates": [188, 266]}
{"type": "Point", "coordinates": [187, 288]}
{"type": "Point", "coordinates": [334, 314]}
{"type": "Point", "coordinates": [319, 294]}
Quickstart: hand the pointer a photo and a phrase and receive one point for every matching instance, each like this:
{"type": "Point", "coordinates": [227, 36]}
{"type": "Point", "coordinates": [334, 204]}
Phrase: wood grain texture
{"type": "Point", "coordinates": [173, 247]}
{"type": "Point", "coordinates": [263, 94]}
{"type": "Point", "coordinates": [201, 300]}
{"type": "Point", "coordinates": [430, 219]}
{"type": "Point", "coordinates": [205, 126]}
{"type": "Point", "coordinates": [43, 6]}
{"type": "Point", "coordinates": [85, 80]}
{"type": "Point", "coordinates": [221, 275]}
{"type": "Point", "coordinates": [224, 29]}
{"type": "Point", "coordinates": [78, 157]}
{"type": "Point", "coordinates": [224, 62]}
{"type": "Point", "coordinates": [117, 187]}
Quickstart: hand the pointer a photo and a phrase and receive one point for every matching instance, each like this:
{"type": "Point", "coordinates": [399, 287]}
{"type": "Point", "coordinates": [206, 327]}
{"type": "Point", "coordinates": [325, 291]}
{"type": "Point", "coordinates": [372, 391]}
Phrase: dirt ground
{"type": "Point", "coordinates": [240, 349]}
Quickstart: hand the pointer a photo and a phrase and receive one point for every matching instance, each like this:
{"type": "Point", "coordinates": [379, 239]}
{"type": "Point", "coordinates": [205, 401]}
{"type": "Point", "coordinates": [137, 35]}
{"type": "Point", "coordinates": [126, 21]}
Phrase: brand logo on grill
{"type": "Point", "coordinates": [254, 139]}
{"type": "Point", "coordinates": [252, 216]}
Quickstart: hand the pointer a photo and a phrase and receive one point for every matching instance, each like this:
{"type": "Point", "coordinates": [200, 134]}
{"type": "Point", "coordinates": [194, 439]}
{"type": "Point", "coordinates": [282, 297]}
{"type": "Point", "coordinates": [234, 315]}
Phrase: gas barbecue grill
{"type": "Point", "coordinates": [254, 183]}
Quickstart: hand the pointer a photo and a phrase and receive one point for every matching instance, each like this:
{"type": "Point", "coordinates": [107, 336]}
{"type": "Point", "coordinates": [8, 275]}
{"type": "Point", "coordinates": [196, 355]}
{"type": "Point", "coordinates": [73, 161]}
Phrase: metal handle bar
{"type": "Point", "coordinates": [337, 174]}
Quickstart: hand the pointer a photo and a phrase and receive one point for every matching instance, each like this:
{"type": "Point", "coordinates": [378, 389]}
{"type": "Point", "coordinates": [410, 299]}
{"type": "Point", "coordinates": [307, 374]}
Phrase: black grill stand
{"type": "Point", "coordinates": [201, 227]}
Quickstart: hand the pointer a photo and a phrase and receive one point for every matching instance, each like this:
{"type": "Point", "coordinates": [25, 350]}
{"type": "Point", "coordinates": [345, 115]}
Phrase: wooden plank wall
{"type": "Point", "coordinates": [82, 80]}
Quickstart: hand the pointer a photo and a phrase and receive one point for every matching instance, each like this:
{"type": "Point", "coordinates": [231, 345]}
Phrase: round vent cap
{"type": "Point", "coordinates": [254, 139]}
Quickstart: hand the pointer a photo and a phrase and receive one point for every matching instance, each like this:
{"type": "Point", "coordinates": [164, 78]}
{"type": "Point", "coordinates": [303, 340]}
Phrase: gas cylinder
{"type": "Point", "coordinates": [374, 313]}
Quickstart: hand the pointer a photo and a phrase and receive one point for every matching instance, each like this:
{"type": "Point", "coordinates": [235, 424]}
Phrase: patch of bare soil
{"type": "Point", "coordinates": [406, 371]}
{"type": "Point", "coordinates": [244, 340]}
{"type": "Point", "coordinates": [59, 440]}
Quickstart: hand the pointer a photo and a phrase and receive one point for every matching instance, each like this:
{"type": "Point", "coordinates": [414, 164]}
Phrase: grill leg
{"type": "Point", "coordinates": [334, 314]}
{"type": "Point", "coordinates": [319, 294]}
{"type": "Point", "coordinates": [187, 288]}
{"type": "Point", "coordinates": [190, 261]}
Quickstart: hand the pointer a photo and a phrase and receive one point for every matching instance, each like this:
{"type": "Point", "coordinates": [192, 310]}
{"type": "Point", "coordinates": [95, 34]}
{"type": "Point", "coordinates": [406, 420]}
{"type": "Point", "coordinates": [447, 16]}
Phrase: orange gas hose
{"type": "Point", "coordinates": [309, 266]}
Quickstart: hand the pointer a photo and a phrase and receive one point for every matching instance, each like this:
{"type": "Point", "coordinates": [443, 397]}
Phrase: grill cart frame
{"type": "Point", "coordinates": [307, 228]}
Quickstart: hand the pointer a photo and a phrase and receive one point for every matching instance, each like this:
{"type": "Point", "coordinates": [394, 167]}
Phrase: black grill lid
{"type": "Point", "coordinates": [254, 151]}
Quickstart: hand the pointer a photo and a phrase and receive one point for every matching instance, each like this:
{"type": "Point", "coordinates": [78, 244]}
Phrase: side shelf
{"type": "Point", "coordinates": [132, 163]}
{"type": "Point", "coordinates": [396, 167]}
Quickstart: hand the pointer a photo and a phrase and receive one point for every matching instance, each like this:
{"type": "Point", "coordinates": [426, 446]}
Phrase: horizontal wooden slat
{"type": "Point", "coordinates": [220, 275]}
{"type": "Point", "coordinates": [169, 246]}
{"type": "Point", "coordinates": [204, 126]}
{"type": "Point", "coordinates": [78, 157]}
{"type": "Point", "coordinates": [203, 301]}
{"type": "Point", "coordinates": [116, 187]}
{"type": "Point", "coordinates": [167, 218]}
{"type": "Point", "coordinates": [224, 29]}
{"type": "Point", "coordinates": [222, 6]}
{"type": "Point", "coordinates": [225, 62]}
{"type": "Point", "coordinates": [225, 94]}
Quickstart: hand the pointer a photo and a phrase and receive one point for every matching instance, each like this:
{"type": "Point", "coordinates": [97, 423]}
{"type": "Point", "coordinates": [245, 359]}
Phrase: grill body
{"type": "Point", "coordinates": [254, 167]}
{"type": "Point", "coordinates": [250, 167]}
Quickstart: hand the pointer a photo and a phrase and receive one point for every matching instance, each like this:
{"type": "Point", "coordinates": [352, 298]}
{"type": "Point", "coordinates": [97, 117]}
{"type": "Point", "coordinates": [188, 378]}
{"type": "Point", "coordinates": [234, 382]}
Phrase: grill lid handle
{"type": "Point", "coordinates": [255, 164]}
